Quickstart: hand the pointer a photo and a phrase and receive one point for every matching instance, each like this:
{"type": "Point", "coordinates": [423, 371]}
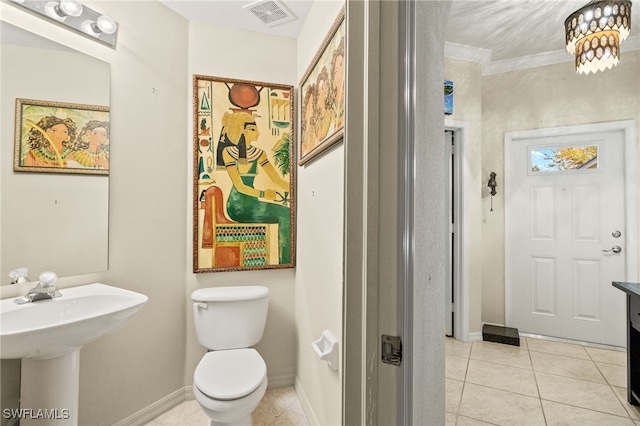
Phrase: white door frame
{"type": "Point", "coordinates": [461, 189]}
{"type": "Point", "coordinates": [366, 398]}
{"type": "Point", "coordinates": [629, 128]}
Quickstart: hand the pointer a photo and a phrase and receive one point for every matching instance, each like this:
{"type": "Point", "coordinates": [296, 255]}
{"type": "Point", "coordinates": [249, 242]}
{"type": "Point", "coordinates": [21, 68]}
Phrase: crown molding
{"type": "Point", "coordinates": [524, 62]}
{"type": "Point", "coordinates": [483, 57]}
{"type": "Point", "coordinates": [467, 53]}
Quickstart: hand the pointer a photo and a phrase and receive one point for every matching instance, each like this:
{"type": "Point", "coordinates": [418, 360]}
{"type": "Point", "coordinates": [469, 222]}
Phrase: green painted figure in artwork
{"type": "Point", "coordinates": [247, 204]}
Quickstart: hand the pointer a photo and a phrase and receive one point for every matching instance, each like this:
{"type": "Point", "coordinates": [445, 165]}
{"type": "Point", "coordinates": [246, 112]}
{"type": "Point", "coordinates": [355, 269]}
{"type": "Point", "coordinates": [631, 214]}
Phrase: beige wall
{"type": "Point", "coordinates": [143, 361]}
{"type": "Point", "coordinates": [150, 213]}
{"type": "Point", "coordinates": [318, 281]}
{"type": "Point", "coordinates": [535, 98]}
{"type": "Point", "coordinates": [222, 52]}
{"type": "Point", "coordinates": [467, 111]}
{"type": "Point", "coordinates": [538, 98]}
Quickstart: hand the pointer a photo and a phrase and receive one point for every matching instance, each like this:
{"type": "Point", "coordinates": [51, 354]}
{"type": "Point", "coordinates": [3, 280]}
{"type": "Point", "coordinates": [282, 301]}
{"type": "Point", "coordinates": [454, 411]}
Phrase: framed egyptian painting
{"type": "Point", "coordinates": [322, 109]}
{"type": "Point", "coordinates": [56, 137]}
{"type": "Point", "coordinates": [243, 175]}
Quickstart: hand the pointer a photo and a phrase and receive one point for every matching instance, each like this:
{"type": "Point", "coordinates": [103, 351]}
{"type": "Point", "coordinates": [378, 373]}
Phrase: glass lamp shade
{"type": "Point", "coordinates": [593, 34]}
{"type": "Point", "coordinates": [597, 52]}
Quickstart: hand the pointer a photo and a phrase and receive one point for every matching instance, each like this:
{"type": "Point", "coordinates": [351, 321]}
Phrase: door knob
{"type": "Point", "coordinates": [614, 249]}
{"type": "Point", "coordinates": [616, 234]}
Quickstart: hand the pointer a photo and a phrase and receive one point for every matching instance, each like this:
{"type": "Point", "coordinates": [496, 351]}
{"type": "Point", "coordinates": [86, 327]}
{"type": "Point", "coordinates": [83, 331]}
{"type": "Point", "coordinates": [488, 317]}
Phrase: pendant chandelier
{"type": "Point", "coordinates": [594, 32]}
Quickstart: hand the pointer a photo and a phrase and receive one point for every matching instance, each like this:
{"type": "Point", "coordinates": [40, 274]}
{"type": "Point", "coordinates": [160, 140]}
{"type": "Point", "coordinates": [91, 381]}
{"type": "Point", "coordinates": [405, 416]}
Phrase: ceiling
{"type": "Point", "coordinates": [235, 14]}
{"type": "Point", "coordinates": [492, 25]}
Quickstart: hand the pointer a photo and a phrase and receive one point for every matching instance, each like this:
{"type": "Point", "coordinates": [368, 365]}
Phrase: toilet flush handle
{"type": "Point", "coordinates": [202, 305]}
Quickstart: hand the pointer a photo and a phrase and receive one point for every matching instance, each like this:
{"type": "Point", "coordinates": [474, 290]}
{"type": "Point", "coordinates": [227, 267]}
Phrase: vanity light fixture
{"type": "Point", "coordinates": [73, 15]}
{"type": "Point", "coordinates": [593, 34]}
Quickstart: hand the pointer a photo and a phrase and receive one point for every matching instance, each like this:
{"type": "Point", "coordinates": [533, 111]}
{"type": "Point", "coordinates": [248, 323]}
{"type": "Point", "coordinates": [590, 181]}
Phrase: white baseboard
{"type": "Point", "coordinates": [306, 405]}
{"type": "Point", "coordinates": [186, 394]}
{"type": "Point", "coordinates": [475, 336]}
{"type": "Point", "coordinates": [156, 409]}
{"type": "Point", "coordinates": [281, 381]}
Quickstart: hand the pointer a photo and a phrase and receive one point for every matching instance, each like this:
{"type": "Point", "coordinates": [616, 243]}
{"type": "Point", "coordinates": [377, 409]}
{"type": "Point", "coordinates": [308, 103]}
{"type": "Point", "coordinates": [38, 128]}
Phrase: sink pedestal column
{"type": "Point", "coordinates": [49, 390]}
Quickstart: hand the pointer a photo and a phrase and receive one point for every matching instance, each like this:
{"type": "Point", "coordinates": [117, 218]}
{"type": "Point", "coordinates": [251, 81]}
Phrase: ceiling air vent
{"type": "Point", "coordinates": [271, 12]}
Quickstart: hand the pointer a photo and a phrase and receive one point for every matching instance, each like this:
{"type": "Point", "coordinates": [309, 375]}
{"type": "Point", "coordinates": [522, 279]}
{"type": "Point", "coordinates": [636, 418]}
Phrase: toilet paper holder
{"type": "Point", "coordinates": [327, 349]}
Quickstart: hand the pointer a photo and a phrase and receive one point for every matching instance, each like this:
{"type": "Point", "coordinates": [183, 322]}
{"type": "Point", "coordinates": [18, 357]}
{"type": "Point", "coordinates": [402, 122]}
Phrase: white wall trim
{"type": "Point", "coordinates": [524, 62]}
{"type": "Point", "coordinates": [281, 381]}
{"type": "Point", "coordinates": [188, 393]}
{"type": "Point", "coordinates": [475, 336]}
{"type": "Point", "coordinates": [631, 197]}
{"type": "Point", "coordinates": [306, 405]}
{"type": "Point", "coordinates": [463, 188]}
{"type": "Point", "coordinates": [467, 53]}
{"type": "Point", "coordinates": [156, 409]}
{"type": "Point", "coordinates": [176, 398]}
{"type": "Point", "coordinates": [629, 128]}
{"type": "Point", "coordinates": [483, 57]}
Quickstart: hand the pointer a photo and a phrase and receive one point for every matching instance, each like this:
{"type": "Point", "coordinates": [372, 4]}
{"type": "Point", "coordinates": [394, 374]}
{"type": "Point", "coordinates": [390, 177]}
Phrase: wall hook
{"type": "Point", "coordinates": [492, 184]}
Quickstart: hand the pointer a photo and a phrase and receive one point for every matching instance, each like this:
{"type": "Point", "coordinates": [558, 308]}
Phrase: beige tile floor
{"type": "Point", "coordinates": [279, 407]}
{"type": "Point", "coordinates": [541, 382]}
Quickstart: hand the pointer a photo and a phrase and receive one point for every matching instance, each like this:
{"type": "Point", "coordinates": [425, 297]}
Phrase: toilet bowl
{"type": "Point", "coordinates": [229, 385]}
{"type": "Point", "coordinates": [231, 378]}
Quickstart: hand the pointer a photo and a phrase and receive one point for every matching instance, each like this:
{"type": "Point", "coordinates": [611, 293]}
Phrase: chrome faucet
{"type": "Point", "coordinates": [43, 290]}
{"type": "Point", "coordinates": [19, 276]}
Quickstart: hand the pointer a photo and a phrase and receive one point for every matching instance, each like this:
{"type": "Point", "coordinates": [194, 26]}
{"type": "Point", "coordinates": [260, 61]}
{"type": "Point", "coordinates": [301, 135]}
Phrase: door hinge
{"type": "Point", "coordinates": [391, 350]}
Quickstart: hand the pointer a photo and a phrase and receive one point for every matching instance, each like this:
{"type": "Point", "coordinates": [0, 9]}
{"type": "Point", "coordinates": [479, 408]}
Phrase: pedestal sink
{"type": "Point", "coordinates": [48, 335]}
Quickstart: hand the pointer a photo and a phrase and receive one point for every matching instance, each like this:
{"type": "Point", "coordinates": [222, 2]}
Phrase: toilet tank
{"type": "Point", "coordinates": [230, 317]}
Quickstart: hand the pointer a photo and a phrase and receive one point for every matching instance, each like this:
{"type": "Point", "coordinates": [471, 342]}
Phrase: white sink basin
{"type": "Point", "coordinates": [51, 328]}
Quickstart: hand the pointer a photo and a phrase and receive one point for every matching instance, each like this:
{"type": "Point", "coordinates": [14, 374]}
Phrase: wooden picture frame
{"type": "Point", "coordinates": [243, 175]}
{"type": "Point", "coordinates": [322, 92]}
{"type": "Point", "coordinates": [57, 137]}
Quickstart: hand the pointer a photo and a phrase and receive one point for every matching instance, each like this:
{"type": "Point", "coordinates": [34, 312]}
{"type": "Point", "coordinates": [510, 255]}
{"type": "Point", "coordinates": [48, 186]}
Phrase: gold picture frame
{"type": "Point", "coordinates": [322, 92]}
{"type": "Point", "coordinates": [58, 137]}
{"type": "Point", "coordinates": [243, 175]}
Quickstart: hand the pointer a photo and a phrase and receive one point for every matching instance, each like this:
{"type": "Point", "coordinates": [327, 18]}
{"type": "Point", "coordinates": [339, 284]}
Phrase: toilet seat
{"type": "Point", "coordinates": [230, 374]}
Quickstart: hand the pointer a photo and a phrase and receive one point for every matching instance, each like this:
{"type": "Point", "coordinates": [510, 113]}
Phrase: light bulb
{"type": "Point", "coordinates": [60, 11]}
{"type": "Point", "coordinates": [71, 7]}
{"type": "Point", "coordinates": [104, 24]}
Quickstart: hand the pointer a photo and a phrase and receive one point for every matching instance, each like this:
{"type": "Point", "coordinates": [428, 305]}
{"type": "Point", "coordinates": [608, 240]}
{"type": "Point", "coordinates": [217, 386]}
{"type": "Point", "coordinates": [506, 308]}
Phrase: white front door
{"type": "Point", "coordinates": [566, 235]}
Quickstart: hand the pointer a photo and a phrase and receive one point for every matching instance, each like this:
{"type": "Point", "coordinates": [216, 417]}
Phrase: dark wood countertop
{"type": "Point", "coordinates": [632, 289]}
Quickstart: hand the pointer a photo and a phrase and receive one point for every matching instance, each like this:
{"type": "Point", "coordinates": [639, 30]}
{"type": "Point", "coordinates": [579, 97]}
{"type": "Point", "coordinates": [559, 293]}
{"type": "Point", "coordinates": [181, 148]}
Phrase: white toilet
{"type": "Point", "coordinates": [231, 378]}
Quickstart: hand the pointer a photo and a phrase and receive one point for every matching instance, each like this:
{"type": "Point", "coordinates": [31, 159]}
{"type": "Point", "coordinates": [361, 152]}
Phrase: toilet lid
{"type": "Point", "coordinates": [230, 374]}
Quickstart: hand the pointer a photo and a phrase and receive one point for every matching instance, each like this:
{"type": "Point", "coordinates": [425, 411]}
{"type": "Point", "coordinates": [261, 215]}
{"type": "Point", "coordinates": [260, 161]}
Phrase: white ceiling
{"type": "Point", "coordinates": [234, 14]}
{"type": "Point", "coordinates": [515, 28]}
{"type": "Point", "coordinates": [494, 25]}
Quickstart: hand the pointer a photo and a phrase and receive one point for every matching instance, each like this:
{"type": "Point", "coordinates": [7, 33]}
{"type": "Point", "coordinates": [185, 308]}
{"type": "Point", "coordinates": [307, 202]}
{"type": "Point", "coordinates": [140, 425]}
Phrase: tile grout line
{"type": "Point", "coordinates": [588, 381]}
{"type": "Point", "coordinates": [535, 379]}
{"type": "Point", "coordinates": [539, 397]}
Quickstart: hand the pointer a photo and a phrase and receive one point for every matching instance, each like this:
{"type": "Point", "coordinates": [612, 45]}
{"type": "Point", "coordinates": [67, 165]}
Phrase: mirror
{"type": "Point", "coordinates": [49, 221]}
